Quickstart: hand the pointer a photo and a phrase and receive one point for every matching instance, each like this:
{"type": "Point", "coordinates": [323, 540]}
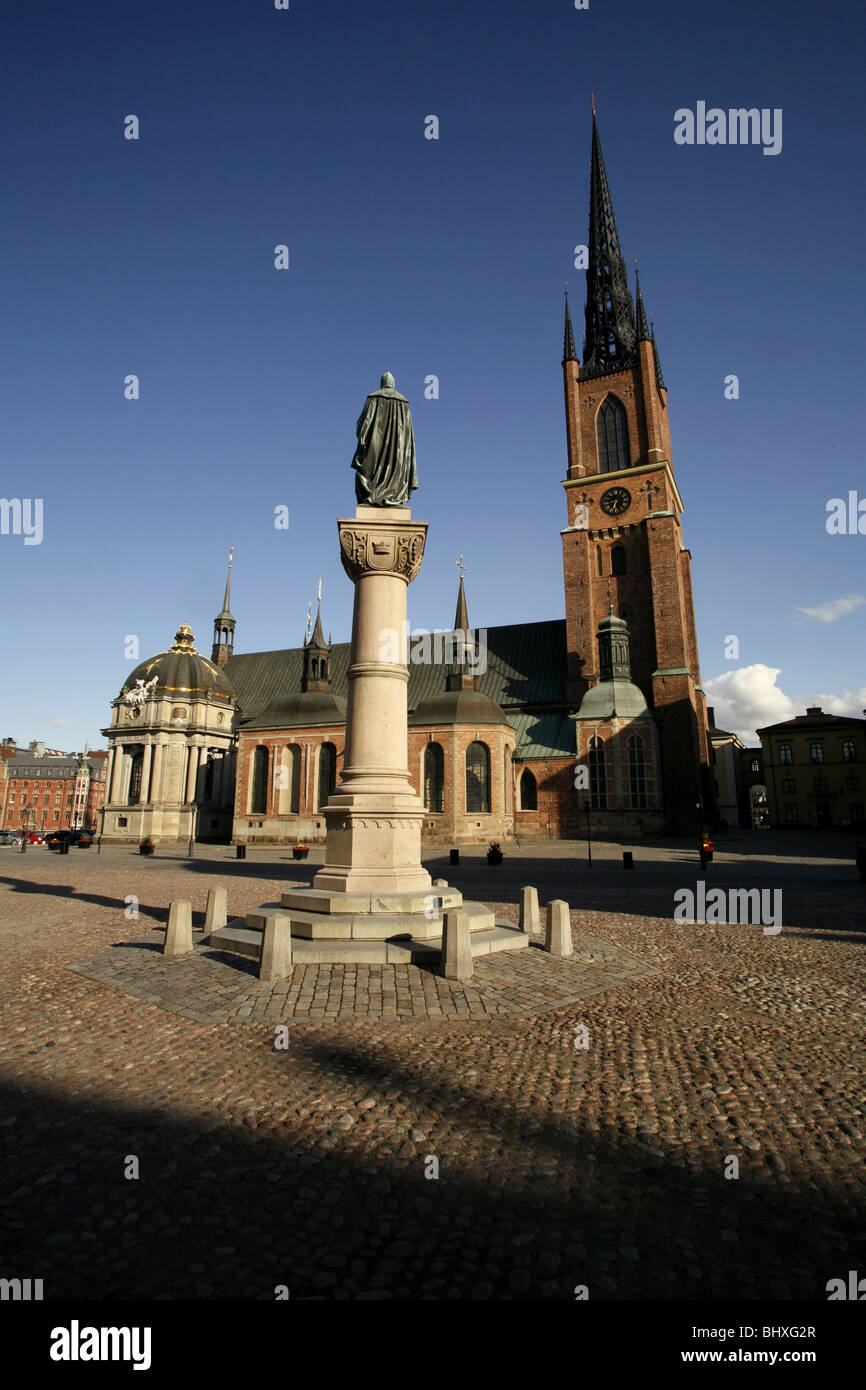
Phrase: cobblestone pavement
{"type": "Point", "coordinates": [215, 988]}
{"type": "Point", "coordinates": [312, 1166]}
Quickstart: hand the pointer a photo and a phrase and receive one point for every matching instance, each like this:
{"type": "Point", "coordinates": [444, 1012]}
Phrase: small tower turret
{"type": "Point", "coordinates": [224, 624]}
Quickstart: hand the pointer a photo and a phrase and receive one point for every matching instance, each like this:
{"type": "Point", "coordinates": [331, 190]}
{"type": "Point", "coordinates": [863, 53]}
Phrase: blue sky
{"type": "Point", "coordinates": [306, 127]}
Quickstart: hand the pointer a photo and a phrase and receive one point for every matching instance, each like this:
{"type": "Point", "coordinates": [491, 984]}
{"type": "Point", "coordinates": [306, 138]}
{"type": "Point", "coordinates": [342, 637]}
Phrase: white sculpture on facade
{"type": "Point", "coordinates": [139, 693]}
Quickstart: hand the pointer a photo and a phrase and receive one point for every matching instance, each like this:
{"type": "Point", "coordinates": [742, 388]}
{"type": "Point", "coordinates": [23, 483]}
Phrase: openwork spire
{"type": "Point", "coordinates": [569, 351]}
{"type": "Point", "coordinates": [610, 324]}
{"type": "Point", "coordinates": [643, 328]}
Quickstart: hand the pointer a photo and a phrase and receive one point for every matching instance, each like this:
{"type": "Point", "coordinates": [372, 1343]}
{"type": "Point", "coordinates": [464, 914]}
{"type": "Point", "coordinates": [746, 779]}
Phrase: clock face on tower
{"type": "Point", "coordinates": [615, 501]}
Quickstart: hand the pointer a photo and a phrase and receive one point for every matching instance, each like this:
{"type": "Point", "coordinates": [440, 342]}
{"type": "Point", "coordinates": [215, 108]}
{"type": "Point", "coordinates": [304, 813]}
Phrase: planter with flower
{"type": "Point", "coordinates": [145, 847]}
{"type": "Point", "coordinates": [494, 852]}
{"type": "Point", "coordinates": [707, 848]}
{"type": "Point", "coordinates": [300, 851]}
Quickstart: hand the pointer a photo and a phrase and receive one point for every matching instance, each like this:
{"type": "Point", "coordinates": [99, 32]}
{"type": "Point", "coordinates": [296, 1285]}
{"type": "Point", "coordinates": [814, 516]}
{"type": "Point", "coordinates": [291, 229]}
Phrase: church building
{"type": "Point", "coordinates": [599, 714]}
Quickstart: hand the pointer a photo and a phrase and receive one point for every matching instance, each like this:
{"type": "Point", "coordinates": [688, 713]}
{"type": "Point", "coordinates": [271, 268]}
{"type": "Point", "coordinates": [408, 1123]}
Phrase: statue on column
{"type": "Point", "coordinates": [385, 457]}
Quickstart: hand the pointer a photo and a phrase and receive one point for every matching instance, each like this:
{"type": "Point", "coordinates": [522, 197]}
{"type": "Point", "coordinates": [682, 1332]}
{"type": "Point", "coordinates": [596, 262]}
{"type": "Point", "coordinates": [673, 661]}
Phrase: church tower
{"type": "Point", "coordinates": [623, 539]}
{"type": "Point", "coordinates": [224, 625]}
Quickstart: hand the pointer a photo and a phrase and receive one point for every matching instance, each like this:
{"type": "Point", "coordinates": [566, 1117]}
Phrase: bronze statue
{"type": "Point", "coordinates": [385, 457]}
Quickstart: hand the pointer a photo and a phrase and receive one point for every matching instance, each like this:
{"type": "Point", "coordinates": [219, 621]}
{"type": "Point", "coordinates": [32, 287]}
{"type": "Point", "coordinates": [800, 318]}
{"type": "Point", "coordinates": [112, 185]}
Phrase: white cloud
{"type": "Point", "coordinates": [748, 698]}
{"type": "Point", "coordinates": [60, 723]}
{"type": "Point", "coordinates": [834, 608]}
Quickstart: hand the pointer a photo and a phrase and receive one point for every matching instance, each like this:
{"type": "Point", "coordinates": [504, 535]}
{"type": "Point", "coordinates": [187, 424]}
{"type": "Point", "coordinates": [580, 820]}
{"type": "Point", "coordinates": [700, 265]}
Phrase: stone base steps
{"type": "Point", "coordinates": [237, 938]}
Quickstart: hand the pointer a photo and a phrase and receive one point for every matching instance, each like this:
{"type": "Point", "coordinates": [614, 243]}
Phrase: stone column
{"type": "Point", "coordinates": [156, 772]}
{"type": "Point", "coordinates": [374, 817]}
{"type": "Point", "coordinates": [192, 772]}
{"type": "Point", "coordinates": [116, 773]}
{"type": "Point", "coordinates": [145, 773]}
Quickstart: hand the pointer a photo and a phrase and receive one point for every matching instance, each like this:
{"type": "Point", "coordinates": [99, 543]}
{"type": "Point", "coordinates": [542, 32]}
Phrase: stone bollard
{"type": "Point", "coordinates": [216, 913]}
{"type": "Point", "coordinates": [557, 937]}
{"type": "Point", "coordinates": [178, 936]}
{"type": "Point", "coordinates": [530, 917]}
{"type": "Point", "coordinates": [627, 859]}
{"type": "Point", "coordinates": [275, 962]}
{"type": "Point", "coordinates": [456, 947]}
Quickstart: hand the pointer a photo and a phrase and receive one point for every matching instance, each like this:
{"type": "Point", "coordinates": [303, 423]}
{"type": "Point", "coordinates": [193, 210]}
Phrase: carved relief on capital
{"type": "Point", "coordinates": [382, 550]}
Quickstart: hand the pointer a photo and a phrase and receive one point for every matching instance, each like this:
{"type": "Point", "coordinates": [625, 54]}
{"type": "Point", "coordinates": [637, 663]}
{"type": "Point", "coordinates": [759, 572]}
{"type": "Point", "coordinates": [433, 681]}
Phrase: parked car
{"type": "Point", "coordinates": [9, 837]}
{"type": "Point", "coordinates": [62, 835]}
{"type": "Point", "coordinates": [35, 839]}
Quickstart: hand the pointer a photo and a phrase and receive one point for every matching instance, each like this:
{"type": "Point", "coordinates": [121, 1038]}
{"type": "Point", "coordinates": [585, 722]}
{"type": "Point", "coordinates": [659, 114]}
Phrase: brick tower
{"type": "Point", "coordinates": [623, 539]}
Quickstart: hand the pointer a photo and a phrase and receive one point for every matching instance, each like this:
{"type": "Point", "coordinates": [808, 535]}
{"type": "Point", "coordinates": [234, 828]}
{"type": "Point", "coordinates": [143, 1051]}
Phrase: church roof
{"type": "Point", "coordinates": [526, 665]}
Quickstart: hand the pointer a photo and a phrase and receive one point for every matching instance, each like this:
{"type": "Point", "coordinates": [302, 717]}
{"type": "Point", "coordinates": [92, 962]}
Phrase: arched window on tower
{"type": "Point", "coordinates": [259, 799]}
{"type": "Point", "coordinates": [612, 436]}
{"type": "Point", "coordinates": [617, 560]}
{"type": "Point", "coordinates": [637, 773]}
{"type": "Point", "coordinates": [327, 772]}
{"type": "Point", "coordinates": [528, 791]}
{"type": "Point", "coordinates": [477, 778]}
{"type": "Point", "coordinates": [314, 668]}
{"type": "Point", "coordinates": [597, 775]}
{"type": "Point", "coordinates": [434, 778]}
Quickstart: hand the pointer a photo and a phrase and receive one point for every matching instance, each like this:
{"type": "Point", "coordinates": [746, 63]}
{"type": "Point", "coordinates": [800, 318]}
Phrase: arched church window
{"type": "Point", "coordinates": [434, 778]}
{"type": "Point", "coordinates": [477, 778]}
{"type": "Point", "coordinates": [597, 775]}
{"type": "Point", "coordinates": [598, 560]}
{"type": "Point", "coordinates": [314, 666]}
{"type": "Point", "coordinates": [637, 773]}
{"type": "Point", "coordinates": [617, 560]}
{"type": "Point", "coordinates": [528, 791]}
{"type": "Point", "coordinates": [323, 669]}
{"type": "Point", "coordinates": [612, 436]}
{"type": "Point", "coordinates": [327, 772]}
{"type": "Point", "coordinates": [294, 778]}
{"type": "Point", "coordinates": [259, 799]}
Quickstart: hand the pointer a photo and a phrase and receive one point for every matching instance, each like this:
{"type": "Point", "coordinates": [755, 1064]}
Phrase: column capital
{"type": "Point", "coordinates": [382, 544]}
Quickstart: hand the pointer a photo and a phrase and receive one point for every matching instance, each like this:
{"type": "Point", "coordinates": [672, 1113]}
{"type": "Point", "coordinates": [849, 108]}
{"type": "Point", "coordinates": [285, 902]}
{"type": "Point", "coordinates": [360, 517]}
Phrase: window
{"type": "Point", "coordinates": [785, 753]}
{"type": "Point", "coordinates": [327, 772]}
{"type": "Point", "coordinates": [56, 815]}
{"type": "Point", "coordinates": [637, 773]}
{"type": "Point", "coordinates": [820, 784]}
{"type": "Point", "coordinates": [791, 813]}
{"type": "Point", "coordinates": [477, 778]}
{"type": "Point", "coordinates": [208, 780]}
{"type": "Point", "coordinates": [849, 752]}
{"type": "Point", "coordinates": [135, 779]}
{"type": "Point", "coordinates": [528, 791]}
{"type": "Point", "coordinates": [294, 752]}
{"type": "Point", "coordinates": [598, 558]}
{"type": "Point", "coordinates": [612, 436]}
{"type": "Point", "coordinates": [857, 810]}
{"type": "Point", "coordinates": [259, 801]}
{"type": "Point", "coordinates": [754, 765]}
{"type": "Point", "coordinates": [816, 752]}
{"type": "Point", "coordinates": [789, 784]}
{"type": "Point", "coordinates": [617, 560]}
{"type": "Point", "coordinates": [597, 775]}
{"type": "Point", "coordinates": [121, 822]}
{"type": "Point", "coordinates": [852, 783]}
{"type": "Point", "coordinates": [434, 778]}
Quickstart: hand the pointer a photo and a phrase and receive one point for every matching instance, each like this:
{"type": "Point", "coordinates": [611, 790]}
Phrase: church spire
{"type": "Point", "coordinates": [317, 654]}
{"type": "Point", "coordinates": [457, 677]}
{"type": "Point", "coordinates": [610, 322]}
{"type": "Point", "coordinates": [569, 351]}
{"type": "Point", "coordinates": [224, 623]}
{"type": "Point", "coordinates": [643, 328]}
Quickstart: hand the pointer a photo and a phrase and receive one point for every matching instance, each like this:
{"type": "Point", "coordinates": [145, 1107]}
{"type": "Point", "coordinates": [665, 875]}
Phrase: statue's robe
{"type": "Point", "coordinates": [384, 460]}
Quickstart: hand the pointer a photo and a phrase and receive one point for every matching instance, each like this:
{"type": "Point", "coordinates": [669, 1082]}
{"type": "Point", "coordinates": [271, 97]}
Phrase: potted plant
{"type": "Point", "coordinates": [300, 851]}
{"type": "Point", "coordinates": [707, 848]}
{"type": "Point", "coordinates": [494, 852]}
{"type": "Point", "coordinates": [145, 846]}
{"type": "Point", "coordinates": [85, 842]}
